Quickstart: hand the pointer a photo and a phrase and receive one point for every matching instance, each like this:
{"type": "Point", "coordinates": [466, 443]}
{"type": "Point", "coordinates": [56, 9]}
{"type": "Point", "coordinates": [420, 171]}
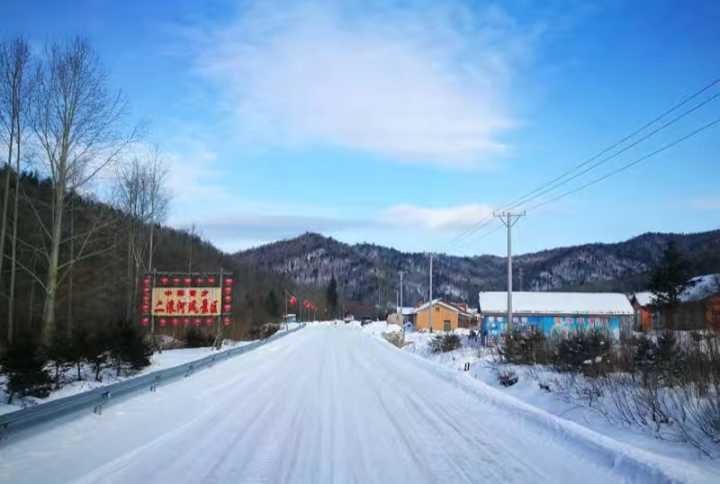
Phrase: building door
{"type": "Point", "coordinates": [446, 326]}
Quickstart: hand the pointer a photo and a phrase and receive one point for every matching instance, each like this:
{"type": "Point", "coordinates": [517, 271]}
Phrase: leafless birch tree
{"type": "Point", "coordinates": [15, 89]}
{"type": "Point", "coordinates": [141, 194]}
{"type": "Point", "coordinates": [79, 127]}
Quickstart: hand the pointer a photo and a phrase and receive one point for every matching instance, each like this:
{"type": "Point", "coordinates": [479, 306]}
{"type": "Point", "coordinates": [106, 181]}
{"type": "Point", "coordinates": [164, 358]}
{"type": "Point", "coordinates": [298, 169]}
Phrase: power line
{"type": "Point", "coordinates": [629, 165]}
{"type": "Point", "coordinates": [635, 133]}
{"type": "Point", "coordinates": [616, 154]}
{"type": "Point", "coordinates": [561, 179]}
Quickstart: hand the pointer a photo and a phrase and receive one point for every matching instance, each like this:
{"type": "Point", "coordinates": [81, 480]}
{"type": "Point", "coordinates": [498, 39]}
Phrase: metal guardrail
{"type": "Point", "coordinates": [97, 398]}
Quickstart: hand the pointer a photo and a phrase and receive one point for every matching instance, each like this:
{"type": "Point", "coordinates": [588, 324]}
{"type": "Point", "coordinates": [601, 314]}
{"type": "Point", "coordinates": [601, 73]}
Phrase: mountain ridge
{"type": "Point", "coordinates": [368, 272]}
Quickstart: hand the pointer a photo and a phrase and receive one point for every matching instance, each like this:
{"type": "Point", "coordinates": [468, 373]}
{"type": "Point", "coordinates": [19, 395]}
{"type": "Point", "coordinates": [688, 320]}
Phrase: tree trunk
{"type": "Point", "coordinates": [53, 263]}
{"type": "Point", "coordinates": [31, 301]}
{"type": "Point", "coordinates": [13, 244]}
{"type": "Point", "coordinates": [151, 248]}
{"type": "Point", "coordinates": [130, 279]}
{"type": "Point", "coordinates": [71, 270]}
{"type": "Point", "coordinates": [6, 199]}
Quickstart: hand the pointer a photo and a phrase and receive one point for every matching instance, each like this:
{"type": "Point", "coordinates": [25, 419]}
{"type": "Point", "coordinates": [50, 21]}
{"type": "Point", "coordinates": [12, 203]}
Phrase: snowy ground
{"type": "Point", "coordinates": [158, 361]}
{"type": "Point", "coordinates": [331, 403]}
{"type": "Point", "coordinates": [484, 366]}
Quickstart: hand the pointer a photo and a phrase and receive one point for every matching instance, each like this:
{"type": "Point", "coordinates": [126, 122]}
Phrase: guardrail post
{"type": "Point", "coordinates": [104, 397]}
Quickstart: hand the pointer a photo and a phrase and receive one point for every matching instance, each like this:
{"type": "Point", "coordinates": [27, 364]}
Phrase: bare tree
{"type": "Point", "coordinates": [14, 99]}
{"type": "Point", "coordinates": [159, 199]}
{"type": "Point", "coordinates": [142, 195]}
{"type": "Point", "coordinates": [79, 128]}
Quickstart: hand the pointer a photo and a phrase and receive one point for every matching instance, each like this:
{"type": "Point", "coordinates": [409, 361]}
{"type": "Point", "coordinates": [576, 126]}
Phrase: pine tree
{"type": "Point", "coordinates": [129, 347]}
{"type": "Point", "coordinates": [669, 280]}
{"type": "Point", "coordinates": [59, 352]}
{"type": "Point", "coordinates": [272, 304]}
{"type": "Point", "coordinates": [24, 365]}
{"type": "Point", "coordinates": [331, 295]}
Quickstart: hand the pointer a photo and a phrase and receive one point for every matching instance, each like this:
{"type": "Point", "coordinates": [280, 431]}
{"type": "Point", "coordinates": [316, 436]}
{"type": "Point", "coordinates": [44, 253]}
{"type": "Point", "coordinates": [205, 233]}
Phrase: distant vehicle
{"type": "Point", "coordinates": [365, 320]}
{"type": "Point", "coordinates": [348, 317]}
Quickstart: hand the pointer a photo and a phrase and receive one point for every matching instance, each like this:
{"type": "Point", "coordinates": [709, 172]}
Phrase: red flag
{"type": "Point", "coordinates": [293, 300]}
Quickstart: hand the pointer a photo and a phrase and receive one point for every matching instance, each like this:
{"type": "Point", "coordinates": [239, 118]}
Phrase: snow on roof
{"type": "Point", "coordinates": [703, 286]}
{"type": "Point", "coordinates": [407, 310]}
{"type": "Point", "coordinates": [557, 303]}
{"type": "Point", "coordinates": [442, 303]}
{"type": "Point", "coordinates": [644, 298]}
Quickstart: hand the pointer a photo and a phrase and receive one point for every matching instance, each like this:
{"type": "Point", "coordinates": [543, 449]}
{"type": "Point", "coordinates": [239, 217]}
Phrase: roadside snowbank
{"type": "Point", "coordinates": [158, 361]}
{"type": "Point", "coordinates": [630, 449]}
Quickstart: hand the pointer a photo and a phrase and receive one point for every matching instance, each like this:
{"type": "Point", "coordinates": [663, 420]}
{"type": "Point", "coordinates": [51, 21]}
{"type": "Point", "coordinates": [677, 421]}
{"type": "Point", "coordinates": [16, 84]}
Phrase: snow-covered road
{"type": "Point", "coordinates": [326, 404]}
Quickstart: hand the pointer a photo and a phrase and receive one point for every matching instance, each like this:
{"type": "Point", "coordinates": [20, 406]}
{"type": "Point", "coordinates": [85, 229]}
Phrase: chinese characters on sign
{"type": "Point", "coordinates": [183, 298]}
{"type": "Point", "coordinates": [186, 301]}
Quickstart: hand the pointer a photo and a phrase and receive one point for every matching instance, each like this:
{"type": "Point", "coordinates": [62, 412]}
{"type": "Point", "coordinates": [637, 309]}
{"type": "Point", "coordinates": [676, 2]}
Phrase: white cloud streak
{"type": "Point", "coordinates": [453, 218]}
{"type": "Point", "coordinates": [425, 85]}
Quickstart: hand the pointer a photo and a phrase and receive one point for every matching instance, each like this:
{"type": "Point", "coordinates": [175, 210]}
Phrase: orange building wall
{"type": "Point", "coordinates": [712, 315]}
{"type": "Point", "coordinates": [439, 316]}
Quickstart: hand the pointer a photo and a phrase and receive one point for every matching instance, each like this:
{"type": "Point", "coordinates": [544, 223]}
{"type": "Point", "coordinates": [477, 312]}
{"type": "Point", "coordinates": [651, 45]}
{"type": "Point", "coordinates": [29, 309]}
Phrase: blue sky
{"type": "Point", "coordinates": [403, 123]}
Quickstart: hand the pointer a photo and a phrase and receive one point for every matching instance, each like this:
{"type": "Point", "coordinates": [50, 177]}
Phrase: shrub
{"type": "Point", "coordinates": [129, 348]}
{"type": "Point", "coordinates": [584, 351]}
{"type": "Point", "coordinates": [524, 347]}
{"type": "Point", "coordinates": [444, 343]}
{"type": "Point", "coordinates": [24, 364]}
{"type": "Point", "coordinates": [79, 349]}
{"type": "Point", "coordinates": [196, 338]}
{"type": "Point", "coordinates": [60, 353]}
{"type": "Point", "coordinates": [97, 351]}
{"type": "Point", "coordinates": [269, 330]}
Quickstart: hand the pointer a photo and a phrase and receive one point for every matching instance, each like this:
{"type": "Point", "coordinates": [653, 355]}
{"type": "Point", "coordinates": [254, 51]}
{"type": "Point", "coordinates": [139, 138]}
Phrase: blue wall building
{"type": "Point", "coordinates": [558, 313]}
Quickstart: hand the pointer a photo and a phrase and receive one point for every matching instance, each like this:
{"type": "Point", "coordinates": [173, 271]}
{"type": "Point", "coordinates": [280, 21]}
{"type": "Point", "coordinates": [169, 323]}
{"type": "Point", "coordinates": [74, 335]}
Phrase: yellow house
{"type": "Point", "coordinates": [445, 317]}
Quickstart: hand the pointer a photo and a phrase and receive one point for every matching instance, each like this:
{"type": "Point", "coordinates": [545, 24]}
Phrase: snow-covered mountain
{"type": "Point", "coordinates": [369, 273]}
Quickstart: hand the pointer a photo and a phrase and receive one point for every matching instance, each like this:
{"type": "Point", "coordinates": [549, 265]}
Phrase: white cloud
{"type": "Point", "coordinates": [454, 218]}
{"type": "Point", "coordinates": [423, 85]}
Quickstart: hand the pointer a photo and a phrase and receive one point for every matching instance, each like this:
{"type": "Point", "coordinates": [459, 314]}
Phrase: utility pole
{"type": "Point", "coordinates": [430, 308]}
{"type": "Point", "coordinates": [400, 309]}
{"type": "Point", "coordinates": [509, 218]}
{"type": "Point", "coordinates": [401, 289]}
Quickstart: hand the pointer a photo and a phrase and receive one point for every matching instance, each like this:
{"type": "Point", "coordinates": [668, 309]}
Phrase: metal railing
{"type": "Point", "coordinates": [97, 398]}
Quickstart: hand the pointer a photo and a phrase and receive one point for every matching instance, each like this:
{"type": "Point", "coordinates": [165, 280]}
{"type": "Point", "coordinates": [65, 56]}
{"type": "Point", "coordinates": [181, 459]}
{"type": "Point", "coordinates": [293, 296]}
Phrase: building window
{"type": "Point", "coordinates": [446, 325]}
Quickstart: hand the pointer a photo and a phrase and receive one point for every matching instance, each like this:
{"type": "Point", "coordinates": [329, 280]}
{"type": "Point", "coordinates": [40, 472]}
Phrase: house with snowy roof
{"type": "Point", "coordinates": [644, 305]}
{"type": "Point", "coordinates": [402, 315]}
{"type": "Point", "coordinates": [445, 316]}
{"type": "Point", "coordinates": [699, 306]}
{"type": "Point", "coordinates": [557, 313]}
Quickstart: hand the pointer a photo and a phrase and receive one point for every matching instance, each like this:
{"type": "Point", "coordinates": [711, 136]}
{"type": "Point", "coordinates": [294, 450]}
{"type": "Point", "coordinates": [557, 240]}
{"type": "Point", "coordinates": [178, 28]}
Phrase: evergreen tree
{"type": "Point", "coordinates": [669, 280]}
{"type": "Point", "coordinates": [59, 353]}
{"type": "Point", "coordinates": [331, 295]}
{"type": "Point", "coordinates": [130, 348]}
{"type": "Point", "coordinates": [24, 365]}
{"type": "Point", "coordinates": [97, 351]}
{"type": "Point", "coordinates": [80, 348]}
{"type": "Point", "coordinates": [272, 304]}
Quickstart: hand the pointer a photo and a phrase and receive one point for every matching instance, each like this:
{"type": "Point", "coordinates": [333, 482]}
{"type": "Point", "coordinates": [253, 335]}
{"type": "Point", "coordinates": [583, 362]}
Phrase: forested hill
{"type": "Point", "coordinates": [99, 287]}
{"type": "Point", "coordinates": [369, 273]}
